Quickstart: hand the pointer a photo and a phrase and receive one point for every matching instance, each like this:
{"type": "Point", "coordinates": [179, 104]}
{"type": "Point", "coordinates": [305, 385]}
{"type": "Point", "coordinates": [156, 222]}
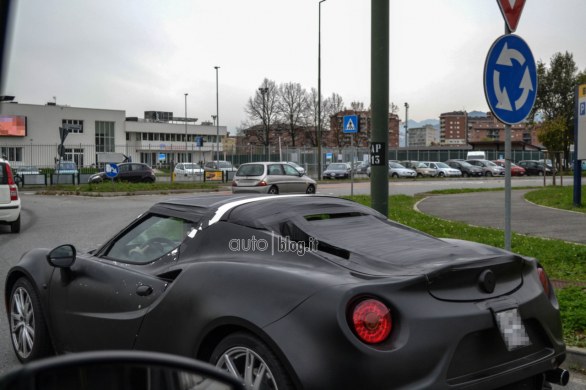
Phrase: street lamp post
{"type": "Point", "coordinates": [406, 124]}
{"type": "Point", "coordinates": [185, 128]}
{"type": "Point", "coordinates": [218, 119]}
{"type": "Point", "coordinates": [263, 92]}
{"type": "Point", "coordinates": [319, 164]}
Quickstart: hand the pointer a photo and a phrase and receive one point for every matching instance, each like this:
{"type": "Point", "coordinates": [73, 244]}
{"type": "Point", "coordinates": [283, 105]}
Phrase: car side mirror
{"type": "Point", "coordinates": [62, 257]}
{"type": "Point", "coordinates": [129, 370]}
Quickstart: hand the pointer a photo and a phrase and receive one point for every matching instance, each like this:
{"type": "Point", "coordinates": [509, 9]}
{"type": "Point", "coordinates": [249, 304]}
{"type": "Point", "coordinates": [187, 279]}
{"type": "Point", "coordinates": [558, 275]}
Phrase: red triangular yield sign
{"type": "Point", "coordinates": [511, 10]}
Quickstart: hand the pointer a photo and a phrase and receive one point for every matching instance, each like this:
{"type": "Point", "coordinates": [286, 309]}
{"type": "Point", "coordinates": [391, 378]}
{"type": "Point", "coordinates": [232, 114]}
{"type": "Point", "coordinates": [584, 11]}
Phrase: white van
{"type": "Point", "coordinates": [476, 155]}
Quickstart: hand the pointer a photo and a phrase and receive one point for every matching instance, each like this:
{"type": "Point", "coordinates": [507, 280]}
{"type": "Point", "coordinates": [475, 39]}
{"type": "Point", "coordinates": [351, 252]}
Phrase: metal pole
{"type": "Point", "coordinates": [185, 129]}
{"type": "Point", "coordinates": [577, 193]}
{"type": "Point", "coordinates": [507, 178]}
{"type": "Point", "coordinates": [379, 87]}
{"type": "Point", "coordinates": [217, 119]}
{"type": "Point", "coordinates": [319, 152]}
{"type": "Point", "coordinates": [406, 124]}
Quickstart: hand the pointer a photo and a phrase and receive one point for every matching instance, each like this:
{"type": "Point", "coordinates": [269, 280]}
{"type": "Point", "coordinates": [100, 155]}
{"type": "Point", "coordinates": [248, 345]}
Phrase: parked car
{"type": "Point", "coordinates": [443, 169]}
{"type": "Point", "coordinates": [534, 167]}
{"type": "Point", "coordinates": [66, 168]}
{"type": "Point", "coordinates": [488, 167]}
{"type": "Point", "coordinates": [361, 167]}
{"type": "Point", "coordinates": [188, 169]}
{"type": "Point", "coordinates": [219, 165]}
{"type": "Point", "coordinates": [421, 168]}
{"type": "Point", "coordinates": [24, 170]}
{"type": "Point", "coordinates": [516, 170]}
{"type": "Point", "coordinates": [271, 178]}
{"type": "Point", "coordinates": [133, 172]}
{"type": "Point", "coordinates": [229, 279]}
{"type": "Point", "coordinates": [396, 170]}
{"type": "Point", "coordinates": [299, 168]}
{"type": "Point", "coordinates": [467, 169]}
{"type": "Point", "coordinates": [337, 171]}
{"type": "Point", "coordinates": [9, 198]}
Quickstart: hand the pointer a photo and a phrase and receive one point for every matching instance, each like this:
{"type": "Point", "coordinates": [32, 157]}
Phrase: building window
{"type": "Point", "coordinates": [78, 123]}
{"type": "Point", "coordinates": [104, 136]}
{"type": "Point", "coordinates": [11, 153]}
{"type": "Point", "coordinates": [75, 155]}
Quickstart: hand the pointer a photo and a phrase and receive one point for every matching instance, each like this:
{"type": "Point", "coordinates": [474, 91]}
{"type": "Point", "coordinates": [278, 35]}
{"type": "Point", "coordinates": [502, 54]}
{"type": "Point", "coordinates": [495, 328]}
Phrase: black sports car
{"type": "Point", "coordinates": [295, 291]}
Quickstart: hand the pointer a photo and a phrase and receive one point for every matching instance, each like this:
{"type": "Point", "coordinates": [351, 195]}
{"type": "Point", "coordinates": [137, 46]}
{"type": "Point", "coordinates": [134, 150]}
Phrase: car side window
{"type": "Point", "coordinates": [290, 171]}
{"type": "Point", "coordinates": [275, 169]}
{"type": "Point", "coordinates": [153, 237]}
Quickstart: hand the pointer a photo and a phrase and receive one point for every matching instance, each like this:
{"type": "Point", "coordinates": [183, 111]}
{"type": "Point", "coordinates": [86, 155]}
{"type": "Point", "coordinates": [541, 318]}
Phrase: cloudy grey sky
{"type": "Point", "coordinates": [143, 55]}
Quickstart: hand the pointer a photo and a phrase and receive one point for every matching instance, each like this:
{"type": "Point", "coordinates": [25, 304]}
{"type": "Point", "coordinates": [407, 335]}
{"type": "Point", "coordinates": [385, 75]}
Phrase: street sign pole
{"type": "Point", "coordinates": [510, 86]}
{"type": "Point", "coordinates": [508, 156]}
{"type": "Point", "coordinates": [579, 141]}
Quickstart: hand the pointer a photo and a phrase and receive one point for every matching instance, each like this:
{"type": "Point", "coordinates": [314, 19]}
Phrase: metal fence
{"type": "Point", "coordinates": [164, 159]}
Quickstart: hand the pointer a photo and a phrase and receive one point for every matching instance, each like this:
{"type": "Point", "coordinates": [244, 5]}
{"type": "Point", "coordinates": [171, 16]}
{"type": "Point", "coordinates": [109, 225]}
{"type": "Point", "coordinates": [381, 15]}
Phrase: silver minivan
{"type": "Point", "coordinates": [271, 178]}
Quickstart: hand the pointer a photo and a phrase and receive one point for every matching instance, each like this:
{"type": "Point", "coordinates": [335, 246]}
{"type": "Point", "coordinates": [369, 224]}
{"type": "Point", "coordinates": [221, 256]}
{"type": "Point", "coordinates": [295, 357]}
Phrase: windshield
{"type": "Point", "coordinates": [224, 164]}
{"type": "Point", "coordinates": [191, 166]}
{"type": "Point", "coordinates": [337, 166]}
{"type": "Point", "coordinates": [67, 165]}
{"type": "Point", "coordinates": [395, 165]}
{"type": "Point", "coordinates": [442, 165]}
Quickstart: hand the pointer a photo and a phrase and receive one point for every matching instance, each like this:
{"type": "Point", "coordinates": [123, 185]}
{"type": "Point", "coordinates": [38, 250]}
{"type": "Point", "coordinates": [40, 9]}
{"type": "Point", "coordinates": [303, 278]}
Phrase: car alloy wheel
{"type": "Point", "coordinates": [250, 360]}
{"type": "Point", "coordinates": [310, 189]}
{"type": "Point", "coordinates": [273, 190]}
{"type": "Point", "coordinates": [27, 327]}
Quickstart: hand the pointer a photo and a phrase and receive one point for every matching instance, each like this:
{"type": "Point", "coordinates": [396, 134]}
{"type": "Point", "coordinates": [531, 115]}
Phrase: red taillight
{"type": "Point", "coordinates": [372, 321]}
{"type": "Point", "coordinates": [544, 280]}
{"type": "Point", "coordinates": [11, 184]}
{"type": "Point", "coordinates": [261, 183]}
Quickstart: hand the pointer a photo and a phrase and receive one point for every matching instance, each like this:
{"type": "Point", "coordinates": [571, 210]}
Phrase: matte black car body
{"type": "Point", "coordinates": [295, 293]}
{"type": "Point", "coordinates": [132, 172]}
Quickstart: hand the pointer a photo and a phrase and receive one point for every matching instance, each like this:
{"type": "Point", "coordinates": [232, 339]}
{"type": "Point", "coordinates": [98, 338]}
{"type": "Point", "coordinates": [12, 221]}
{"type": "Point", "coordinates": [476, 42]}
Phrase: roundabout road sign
{"type": "Point", "coordinates": [510, 79]}
{"type": "Point", "coordinates": [111, 170]}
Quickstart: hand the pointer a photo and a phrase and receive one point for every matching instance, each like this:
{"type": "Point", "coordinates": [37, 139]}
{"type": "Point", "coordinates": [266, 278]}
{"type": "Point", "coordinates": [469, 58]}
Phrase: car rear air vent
{"type": "Point", "coordinates": [295, 233]}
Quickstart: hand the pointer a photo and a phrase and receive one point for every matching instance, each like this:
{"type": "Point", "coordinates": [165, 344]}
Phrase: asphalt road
{"type": "Point", "coordinates": [48, 221]}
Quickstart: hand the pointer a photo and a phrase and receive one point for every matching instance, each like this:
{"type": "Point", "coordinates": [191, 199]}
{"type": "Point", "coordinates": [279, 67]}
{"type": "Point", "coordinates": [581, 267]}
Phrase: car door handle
{"type": "Point", "coordinates": [144, 290]}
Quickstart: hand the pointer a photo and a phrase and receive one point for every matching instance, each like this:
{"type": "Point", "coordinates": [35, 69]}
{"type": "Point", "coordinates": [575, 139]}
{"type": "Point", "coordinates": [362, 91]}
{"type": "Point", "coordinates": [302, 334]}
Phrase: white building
{"type": "Point", "coordinates": [29, 135]}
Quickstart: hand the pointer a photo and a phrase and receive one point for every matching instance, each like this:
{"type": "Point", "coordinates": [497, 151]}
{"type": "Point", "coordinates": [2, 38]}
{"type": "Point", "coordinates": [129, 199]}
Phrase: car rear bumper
{"type": "Point", "coordinates": [9, 212]}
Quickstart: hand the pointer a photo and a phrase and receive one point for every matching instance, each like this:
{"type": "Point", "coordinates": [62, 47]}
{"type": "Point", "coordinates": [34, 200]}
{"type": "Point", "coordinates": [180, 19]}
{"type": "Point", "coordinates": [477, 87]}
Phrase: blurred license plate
{"type": "Point", "coordinates": [512, 329]}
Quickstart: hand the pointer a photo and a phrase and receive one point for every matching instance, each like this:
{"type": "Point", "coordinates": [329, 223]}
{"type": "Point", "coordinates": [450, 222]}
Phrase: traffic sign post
{"type": "Point", "coordinates": [510, 86]}
{"type": "Point", "coordinates": [579, 141]}
{"type": "Point", "coordinates": [350, 126]}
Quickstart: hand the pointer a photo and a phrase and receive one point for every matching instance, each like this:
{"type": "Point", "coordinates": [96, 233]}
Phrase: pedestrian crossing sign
{"type": "Point", "coordinates": [350, 124]}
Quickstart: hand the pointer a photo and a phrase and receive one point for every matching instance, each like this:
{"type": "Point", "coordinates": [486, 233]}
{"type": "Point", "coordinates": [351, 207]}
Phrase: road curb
{"type": "Point", "coordinates": [575, 358]}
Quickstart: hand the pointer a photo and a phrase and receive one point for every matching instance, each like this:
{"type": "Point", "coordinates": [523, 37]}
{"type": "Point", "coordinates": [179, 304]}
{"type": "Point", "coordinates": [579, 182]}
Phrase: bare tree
{"type": "Point", "coordinates": [264, 107]}
{"type": "Point", "coordinates": [357, 106]}
{"type": "Point", "coordinates": [334, 105]}
{"type": "Point", "coordinates": [293, 107]}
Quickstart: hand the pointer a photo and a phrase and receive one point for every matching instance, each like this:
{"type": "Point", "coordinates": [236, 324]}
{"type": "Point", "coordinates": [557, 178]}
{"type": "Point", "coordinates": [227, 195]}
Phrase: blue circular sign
{"type": "Point", "coordinates": [510, 79]}
{"type": "Point", "coordinates": [111, 170]}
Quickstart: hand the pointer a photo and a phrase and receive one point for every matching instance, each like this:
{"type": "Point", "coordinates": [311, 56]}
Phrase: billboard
{"type": "Point", "coordinates": [12, 126]}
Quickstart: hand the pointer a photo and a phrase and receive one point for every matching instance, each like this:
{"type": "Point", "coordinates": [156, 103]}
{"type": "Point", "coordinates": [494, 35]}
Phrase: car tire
{"type": "Point", "coordinates": [465, 174]}
{"type": "Point", "coordinates": [441, 174]}
{"type": "Point", "coordinates": [310, 189]}
{"type": "Point", "coordinates": [15, 226]}
{"type": "Point", "coordinates": [274, 190]}
{"type": "Point", "coordinates": [540, 173]}
{"type": "Point", "coordinates": [28, 330]}
{"type": "Point", "coordinates": [489, 174]}
{"type": "Point", "coordinates": [394, 176]}
{"type": "Point", "coordinates": [237, 350]}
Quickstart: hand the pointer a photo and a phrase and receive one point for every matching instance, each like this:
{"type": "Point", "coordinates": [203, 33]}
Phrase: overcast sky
{"type": "Point", "coordinates": [143, 55]}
